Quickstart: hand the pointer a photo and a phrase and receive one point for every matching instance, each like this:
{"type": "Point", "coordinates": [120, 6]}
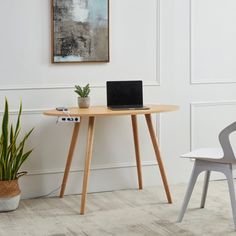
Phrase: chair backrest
{"type": "Point", "coordinates": [225, 143]}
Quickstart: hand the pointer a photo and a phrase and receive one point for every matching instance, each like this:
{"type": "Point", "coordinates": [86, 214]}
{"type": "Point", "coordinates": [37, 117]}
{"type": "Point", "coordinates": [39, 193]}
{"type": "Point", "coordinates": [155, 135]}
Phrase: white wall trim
{"type": "Point", "coordinates": [191, 126]}
{"type": "Point", "coordinates": [158, 129]}
{"type": "Point", "coordinates": [61, 86]}
{"type": "Point", "coordinates": [204, 104]}
{"type": "Point", "coordinates": [93, 168]}
{"type": "Point", "coordinates": [192, 81]}
{"type": "Point", "coordinates": [213, 103]}
{"type": "Point", "coordinates": [42, 87]}
{"type": "Point", "coordinates": [190, 42]}
{"type": "Point", "coordinates": [213, 82]}
{"type": "Point", "coordinates": [26, 111]}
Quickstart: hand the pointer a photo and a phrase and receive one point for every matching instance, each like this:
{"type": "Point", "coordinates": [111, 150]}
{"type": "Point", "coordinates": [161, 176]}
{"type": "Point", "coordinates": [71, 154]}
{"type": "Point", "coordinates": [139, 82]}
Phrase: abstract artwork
{"type": "Point", "coordinates": [80, 31]}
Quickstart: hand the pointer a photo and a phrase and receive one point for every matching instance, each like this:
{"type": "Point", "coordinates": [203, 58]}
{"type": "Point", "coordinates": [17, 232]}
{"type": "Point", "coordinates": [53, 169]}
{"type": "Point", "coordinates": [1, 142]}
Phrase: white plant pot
{"type": "Point", "coordinates": [84, 102]}
{"type": "Point", "coordinates": [9, 203]}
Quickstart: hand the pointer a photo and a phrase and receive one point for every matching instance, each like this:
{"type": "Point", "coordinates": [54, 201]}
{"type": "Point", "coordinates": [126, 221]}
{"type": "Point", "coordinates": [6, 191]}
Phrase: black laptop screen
{"type": "Point", "coordinates": [124, 93]}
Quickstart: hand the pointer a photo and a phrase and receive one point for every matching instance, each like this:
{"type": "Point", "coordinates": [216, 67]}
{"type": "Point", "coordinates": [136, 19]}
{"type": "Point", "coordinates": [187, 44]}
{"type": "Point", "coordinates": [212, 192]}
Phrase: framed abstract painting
{"type": "Point", "coordinates": [80, 31]}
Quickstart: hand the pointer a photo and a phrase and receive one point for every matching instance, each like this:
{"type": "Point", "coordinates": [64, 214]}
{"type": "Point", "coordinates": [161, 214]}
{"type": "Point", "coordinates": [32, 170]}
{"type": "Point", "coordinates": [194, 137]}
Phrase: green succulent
{"type": "Point", "coordinates": [12, 154]}
{"type": "Point", "coordinates": [82, 91]}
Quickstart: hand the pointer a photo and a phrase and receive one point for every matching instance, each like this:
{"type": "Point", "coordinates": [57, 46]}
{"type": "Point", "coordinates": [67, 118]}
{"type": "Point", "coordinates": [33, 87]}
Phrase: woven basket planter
{"type": "Point", "coordinates": [9, 195]}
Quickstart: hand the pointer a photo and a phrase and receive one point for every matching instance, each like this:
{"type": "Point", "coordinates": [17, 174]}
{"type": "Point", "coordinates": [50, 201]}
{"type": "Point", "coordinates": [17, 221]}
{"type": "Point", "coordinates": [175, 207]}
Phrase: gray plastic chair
{"type": "Point", "coordinates": [213, 159]}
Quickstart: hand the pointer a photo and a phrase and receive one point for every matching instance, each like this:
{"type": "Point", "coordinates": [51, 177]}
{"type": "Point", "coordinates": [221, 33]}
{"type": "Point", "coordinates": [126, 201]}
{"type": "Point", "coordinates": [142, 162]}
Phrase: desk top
{"type": "Point", "coordinates": [104, 111]}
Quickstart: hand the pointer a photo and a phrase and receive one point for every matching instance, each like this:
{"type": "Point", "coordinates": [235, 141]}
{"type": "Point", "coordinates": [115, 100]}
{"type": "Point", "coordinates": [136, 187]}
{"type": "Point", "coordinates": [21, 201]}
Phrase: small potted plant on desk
{"type": "Point", "coordinates": [83, 99]}
{"type": "Point", "coordinates": [12, 156]}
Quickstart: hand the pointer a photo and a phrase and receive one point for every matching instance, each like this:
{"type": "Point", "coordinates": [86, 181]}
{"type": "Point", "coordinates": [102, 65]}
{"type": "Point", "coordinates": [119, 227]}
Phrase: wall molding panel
{"type": "Point", "coordinates": [193, 79]}
{"type": "Point", "coordinates": [104, 166]}
{"type": "Point", "coordinates": [158, 45]}
{"type": "Point", "coordinates": [194, 105]}
{"type": "Point", "coordinates": [100, 180]}
{"type": "Point", "coordinates": [149, 52]}
{"type": "Point", "coordinates": [147, 83]}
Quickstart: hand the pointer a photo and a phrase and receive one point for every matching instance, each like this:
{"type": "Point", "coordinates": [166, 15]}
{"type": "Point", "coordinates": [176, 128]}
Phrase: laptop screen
{"type": "Point", "coordinates": [124, 93]}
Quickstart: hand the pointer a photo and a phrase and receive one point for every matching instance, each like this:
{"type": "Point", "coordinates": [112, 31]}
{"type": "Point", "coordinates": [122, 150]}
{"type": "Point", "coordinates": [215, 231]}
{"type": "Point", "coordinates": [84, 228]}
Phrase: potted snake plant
{"type": "Point", "coordinates": [12, 156]}
{"type": "Point", "coordinates": [83, 92]}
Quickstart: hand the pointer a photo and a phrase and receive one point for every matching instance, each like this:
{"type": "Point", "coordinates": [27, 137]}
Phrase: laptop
{"type": "Point", "coordinates": [125, 95]}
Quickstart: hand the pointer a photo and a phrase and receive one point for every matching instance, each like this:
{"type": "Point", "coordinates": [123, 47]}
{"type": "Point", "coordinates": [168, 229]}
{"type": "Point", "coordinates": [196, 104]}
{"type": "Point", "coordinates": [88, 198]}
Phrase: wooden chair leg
{"type": "Point", "coordinates": [137, 151]}
{"type": "Point", "coordinates": [158, 155]}
{"type": "Point", "coordinates": [89, 150]}
{"type": "Point", "coordinates": [70, 157]}
{"type": "Point", "coordinates": [205, 188]}
{"type": "Point", "coordinates": [193, 179]}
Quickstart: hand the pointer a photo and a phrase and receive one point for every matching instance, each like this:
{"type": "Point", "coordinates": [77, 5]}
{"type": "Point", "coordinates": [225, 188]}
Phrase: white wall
{"type": "Point", "coordinates": [148, 41]}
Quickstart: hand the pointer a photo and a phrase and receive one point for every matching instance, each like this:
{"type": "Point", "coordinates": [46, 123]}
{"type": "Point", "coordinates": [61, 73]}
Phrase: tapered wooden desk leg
{"type": "Point", "coordinates": [158, 156]}
{"type": "Point", "coordinates": [137, 151]}
{"type": "Point", "coordinates": [88, 158]}
{"type": "Point", "coordinates": [69, 158]}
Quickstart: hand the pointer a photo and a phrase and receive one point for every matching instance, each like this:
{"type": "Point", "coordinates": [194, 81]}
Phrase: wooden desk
{"type": "Point", "coordinates": [96, 111]}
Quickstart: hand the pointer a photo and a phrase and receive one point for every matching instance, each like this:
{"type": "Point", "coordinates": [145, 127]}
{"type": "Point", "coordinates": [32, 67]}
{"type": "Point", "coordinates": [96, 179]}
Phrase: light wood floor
{"type": "Point", "coordinates": [127, 212]}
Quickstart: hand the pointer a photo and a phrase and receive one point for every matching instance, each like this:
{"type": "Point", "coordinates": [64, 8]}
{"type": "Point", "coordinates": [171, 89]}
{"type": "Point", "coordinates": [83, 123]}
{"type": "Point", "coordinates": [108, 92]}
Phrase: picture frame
{"type": "Point", "coordinates": [80, 31]}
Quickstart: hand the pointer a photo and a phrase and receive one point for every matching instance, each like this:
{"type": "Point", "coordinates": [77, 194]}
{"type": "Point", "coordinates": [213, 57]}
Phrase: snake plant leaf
{"type": "Point", "coordinates": [18, 118]}
{"type": "Point", "coordinates": [5, 129]}
{"type": "Point", "coordinates": [10, 148]}
{"type": "Point", "coordinates": [19, 155]}
{"type": "Point", "coordinates": [11, 134]}
{"type": "Point", "coordinates": [21, 161]}
{"type": "Point", "coordinates": [12, 154]}
{"type": "Point", "coordinates": [27, 136]}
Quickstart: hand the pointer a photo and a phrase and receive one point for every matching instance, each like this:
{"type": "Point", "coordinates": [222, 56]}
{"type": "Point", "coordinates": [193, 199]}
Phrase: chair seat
{"type": "Point", "coordinates": [210, 154]}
